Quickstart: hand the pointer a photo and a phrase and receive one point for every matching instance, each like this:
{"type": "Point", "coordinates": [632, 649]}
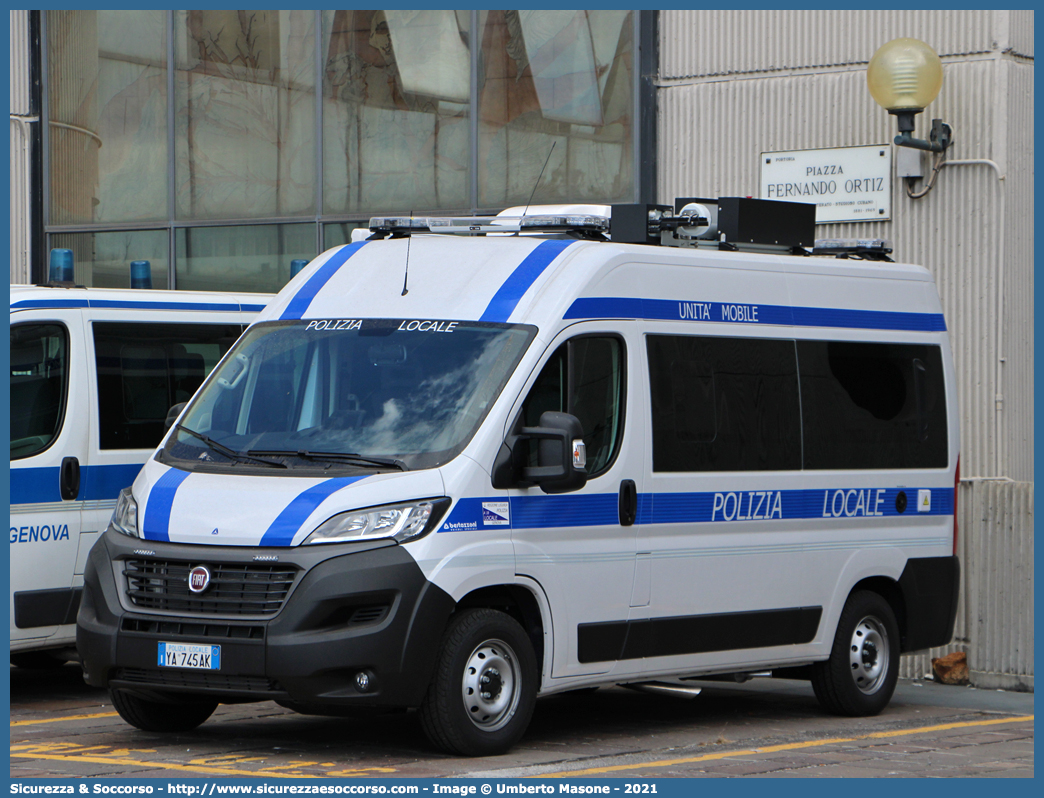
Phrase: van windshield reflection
{"type": "Point", "coordinates": [355, 394]}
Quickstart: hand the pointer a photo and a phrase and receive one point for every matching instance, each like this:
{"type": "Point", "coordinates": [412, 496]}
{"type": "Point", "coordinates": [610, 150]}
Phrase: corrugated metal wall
{"type": "Point", "coordinates": [73, 102]}
{"type": "Point", "coordinates": [19, 62]}
{"type": "Point", "coordinates": [713, 132]}
{"type": "Point", "coordinates": [734, 84]}
{"type": "Point", "coordinates": [1017, 344]}
{"type": "Point", "coordinates": [702, 43]}
{"type": "Point", "coordinates": [20, 143]}
{"type": "Point", "coordinates": [995, 613]}
{"type": "Point", "coordinates": [1020, 38]}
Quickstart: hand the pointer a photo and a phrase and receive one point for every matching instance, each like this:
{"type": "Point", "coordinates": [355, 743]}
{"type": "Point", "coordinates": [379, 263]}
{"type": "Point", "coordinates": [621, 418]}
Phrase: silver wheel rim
{"type": "Point", "coordinates": [868, 655]}
{"type": "Point", "coordinates": [491, 685]}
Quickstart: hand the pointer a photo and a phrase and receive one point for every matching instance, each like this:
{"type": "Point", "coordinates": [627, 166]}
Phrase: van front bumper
{"type": "Point", "coordinates": [351, 608]}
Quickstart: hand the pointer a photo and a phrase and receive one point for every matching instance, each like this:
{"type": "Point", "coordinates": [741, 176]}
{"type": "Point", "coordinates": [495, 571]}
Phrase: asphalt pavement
{"type": "Point", "coordinates": [765, 727]}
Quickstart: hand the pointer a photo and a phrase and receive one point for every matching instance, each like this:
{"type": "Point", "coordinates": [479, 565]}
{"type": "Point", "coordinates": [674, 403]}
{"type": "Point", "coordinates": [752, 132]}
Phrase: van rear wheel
{"type": "Point", "coordinates": [481, 697]}
{"type": "Point", "coordinates": [161, 716]}
{"type": "Point", "coordinates": [861, 674]}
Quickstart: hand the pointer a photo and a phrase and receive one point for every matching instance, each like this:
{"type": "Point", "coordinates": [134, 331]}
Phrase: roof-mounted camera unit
{"type": "Point", "coordinates": [735, 223]}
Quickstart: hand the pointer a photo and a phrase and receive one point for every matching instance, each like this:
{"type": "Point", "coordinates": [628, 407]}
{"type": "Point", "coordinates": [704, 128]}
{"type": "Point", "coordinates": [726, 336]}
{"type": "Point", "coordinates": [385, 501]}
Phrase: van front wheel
{"type": "Point", "coordinates": [481, 697]}
{"type": "Point", "coordinates": [861, 674]}
{"type": "Point", "coordinates": [159, 716]}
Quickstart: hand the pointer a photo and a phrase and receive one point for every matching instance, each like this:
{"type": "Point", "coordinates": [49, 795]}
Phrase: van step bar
{"type": "Point", "coordinates": [659, 688]}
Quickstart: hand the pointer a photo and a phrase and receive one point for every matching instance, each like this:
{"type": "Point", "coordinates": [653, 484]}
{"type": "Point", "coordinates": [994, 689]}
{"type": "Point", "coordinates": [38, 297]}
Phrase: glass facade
{"type": "Point", "coordinates": [244, 114]}
{"type": "Point", "coordinates": [240, 258]}
{"type": "Point", "coordinates": [107, 116]}
{"type": "Point", "coordinates": [103, 259]}
{"type": "Point", "coordinates": [556, 87]}
{"type": "Point", "coordinates": [396, 104]}
{"type": "Point", "coordinates": [221, 145]}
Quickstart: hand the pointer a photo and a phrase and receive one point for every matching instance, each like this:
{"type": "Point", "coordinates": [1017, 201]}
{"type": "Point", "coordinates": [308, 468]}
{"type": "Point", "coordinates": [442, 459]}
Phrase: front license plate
{"type": "Point", "coordinates": [181, 655]}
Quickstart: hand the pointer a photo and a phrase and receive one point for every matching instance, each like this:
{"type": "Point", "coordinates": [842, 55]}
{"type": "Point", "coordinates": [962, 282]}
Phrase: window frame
{"type": "Point", "coordinates": [105, 325]}
{"type": "Point", "coordinates": [923, 390]}
{"type": "Point", "coordinates": [622, 404]}
{"type": "Point", "coordinates": [60, 423]}
{"type": "Point", "coordinates": [649, 335]}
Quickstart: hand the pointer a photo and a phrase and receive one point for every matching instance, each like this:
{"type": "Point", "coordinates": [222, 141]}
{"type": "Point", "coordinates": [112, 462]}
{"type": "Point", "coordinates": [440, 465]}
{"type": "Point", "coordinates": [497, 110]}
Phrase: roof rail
{"type": "Point", "coordinates": [726, 223]}
{"type": "Point", "coordinates": [857, 248]}
{"type": "Point", "coordinates": [589, 225]}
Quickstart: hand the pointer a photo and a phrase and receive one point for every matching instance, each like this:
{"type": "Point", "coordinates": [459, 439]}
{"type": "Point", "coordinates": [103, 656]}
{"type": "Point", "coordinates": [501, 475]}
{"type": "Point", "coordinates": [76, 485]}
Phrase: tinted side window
{"type": "Point", "coordinates": [584, 377]}
{"type": "Point", "coordinates": [39, 382]}
{"type": "Point", "coordinates": [868, 405]}
{"type": "Point", "coordinates": [145, 369]}
{"type": "Point", "coordinates": [724, 404]}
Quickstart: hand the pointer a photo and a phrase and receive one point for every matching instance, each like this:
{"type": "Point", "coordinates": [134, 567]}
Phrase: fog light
{"type": "Point", "coordinates": [362, 681]}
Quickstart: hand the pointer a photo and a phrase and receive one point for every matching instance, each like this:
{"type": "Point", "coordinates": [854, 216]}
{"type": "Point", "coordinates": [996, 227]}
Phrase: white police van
{"type": "Point", "coordinates": [457, 471]}
{"type": "Point", "coordinates": [93, 375]}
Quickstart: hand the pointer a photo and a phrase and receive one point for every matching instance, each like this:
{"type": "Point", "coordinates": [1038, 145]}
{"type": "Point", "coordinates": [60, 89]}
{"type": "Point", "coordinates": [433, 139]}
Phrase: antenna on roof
{"type": "Point", "coordinates": [542, 168]}
{"type": "Point", "coordinates": [406, 275]}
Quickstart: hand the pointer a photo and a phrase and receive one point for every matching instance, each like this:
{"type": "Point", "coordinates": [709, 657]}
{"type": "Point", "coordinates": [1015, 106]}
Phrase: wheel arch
{"type": "Point", "coordinates": [888, 589]}
{"type": "Point", "coordinates": [515, 600]}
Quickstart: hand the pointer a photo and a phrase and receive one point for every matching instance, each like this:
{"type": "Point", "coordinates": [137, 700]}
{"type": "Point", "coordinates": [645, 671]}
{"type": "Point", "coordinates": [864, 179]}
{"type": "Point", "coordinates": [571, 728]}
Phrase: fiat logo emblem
{"type": "Point", "coordinates": [199, 579]}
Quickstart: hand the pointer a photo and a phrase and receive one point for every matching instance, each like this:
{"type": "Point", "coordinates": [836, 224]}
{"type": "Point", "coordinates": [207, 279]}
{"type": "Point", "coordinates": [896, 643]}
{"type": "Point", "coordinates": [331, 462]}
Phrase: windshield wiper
{"type": "Point", "coordinates": [337, 457]}
{"type": "Point", "coordinates": [228, 452]}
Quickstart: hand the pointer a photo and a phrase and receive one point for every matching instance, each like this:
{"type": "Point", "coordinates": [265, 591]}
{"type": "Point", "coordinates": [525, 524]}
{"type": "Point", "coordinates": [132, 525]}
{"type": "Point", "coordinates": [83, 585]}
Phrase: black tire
{"type": "Point", "coordinates": [861, 674]}
{"type": "Point", "coordinates": [37, 660]}
{"type": "Point", "coordinates": [161, 716]}
{"type": "Point", "coordinates": [470, 720]}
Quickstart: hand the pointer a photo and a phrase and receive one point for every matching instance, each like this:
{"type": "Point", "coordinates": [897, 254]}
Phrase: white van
{"type": "Point", "coordinates": [93, 375]}
{"type": "Point", "coordinates": [458, 472]}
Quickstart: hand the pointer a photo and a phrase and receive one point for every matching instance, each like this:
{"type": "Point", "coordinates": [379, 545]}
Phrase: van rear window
{"type": "Point", "coordinates": [724, 404]}
{"type": "Point", "coordinates": [869, 405]}
{"type": "Point", "coordinates": [734, 404]}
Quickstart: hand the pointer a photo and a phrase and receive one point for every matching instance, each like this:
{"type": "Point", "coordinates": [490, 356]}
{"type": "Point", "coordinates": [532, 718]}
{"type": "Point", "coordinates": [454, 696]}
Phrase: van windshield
{"type": "Point", "coordinates": [355, 394]}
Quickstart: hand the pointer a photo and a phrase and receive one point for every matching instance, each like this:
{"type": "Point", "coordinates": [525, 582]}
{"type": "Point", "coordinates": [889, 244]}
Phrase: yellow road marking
{"type": "Point", "coordinates": [67, 717]}
{"type": "Point", "coordinates": [360, 771]}
{"type": "Point", "coordinates": [103, 760]}
{"type": "Point", "coordinates": [21, 751]}
{"type": "Point", "coordinates": [294, 764]}
{"type": "Point", "coordinates": [228, 759]}
{"type": "Point", "coordinates": [784, 747]}
{"type": "Point", "coordinates": [216, 765]}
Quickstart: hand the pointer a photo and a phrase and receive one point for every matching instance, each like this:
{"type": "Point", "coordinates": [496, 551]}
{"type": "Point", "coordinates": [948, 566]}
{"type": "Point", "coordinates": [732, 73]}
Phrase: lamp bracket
{"type": "Point", "coordinates": [940, 137]}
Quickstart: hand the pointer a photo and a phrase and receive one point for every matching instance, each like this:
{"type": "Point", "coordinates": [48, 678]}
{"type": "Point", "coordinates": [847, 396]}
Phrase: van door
{"type": "Point", "coordinates": [49, 383]}
{"type": "Point", "coordinates": [576, 545]}
{"type": "Point", "coordinates": [732, 571]}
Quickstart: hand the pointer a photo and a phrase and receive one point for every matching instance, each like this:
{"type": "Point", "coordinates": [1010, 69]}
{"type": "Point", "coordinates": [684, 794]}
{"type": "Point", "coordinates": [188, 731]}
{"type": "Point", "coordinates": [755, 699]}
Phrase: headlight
{"type": "Point", "coordinates": [402, 522]}
{"type": "Point", "coordinates": [125, 516]}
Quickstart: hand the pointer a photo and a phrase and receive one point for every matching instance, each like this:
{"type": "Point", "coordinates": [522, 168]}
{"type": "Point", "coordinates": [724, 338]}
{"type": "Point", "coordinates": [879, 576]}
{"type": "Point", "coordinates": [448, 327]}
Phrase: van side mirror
{"type": "Point", "coordinates": [561, 456]}
{"type": "Point", "coordinates": [172, 415]}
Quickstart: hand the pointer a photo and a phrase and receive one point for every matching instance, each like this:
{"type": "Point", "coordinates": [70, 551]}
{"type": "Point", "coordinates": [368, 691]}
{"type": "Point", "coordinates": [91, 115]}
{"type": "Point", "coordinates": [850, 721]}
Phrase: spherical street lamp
{"type": "Point", "coordinates": [904, 76]}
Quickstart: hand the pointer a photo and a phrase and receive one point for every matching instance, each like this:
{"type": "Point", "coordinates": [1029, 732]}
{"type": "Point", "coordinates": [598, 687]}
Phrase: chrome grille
{"type": "Point", "coordinates": [235, 588]}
